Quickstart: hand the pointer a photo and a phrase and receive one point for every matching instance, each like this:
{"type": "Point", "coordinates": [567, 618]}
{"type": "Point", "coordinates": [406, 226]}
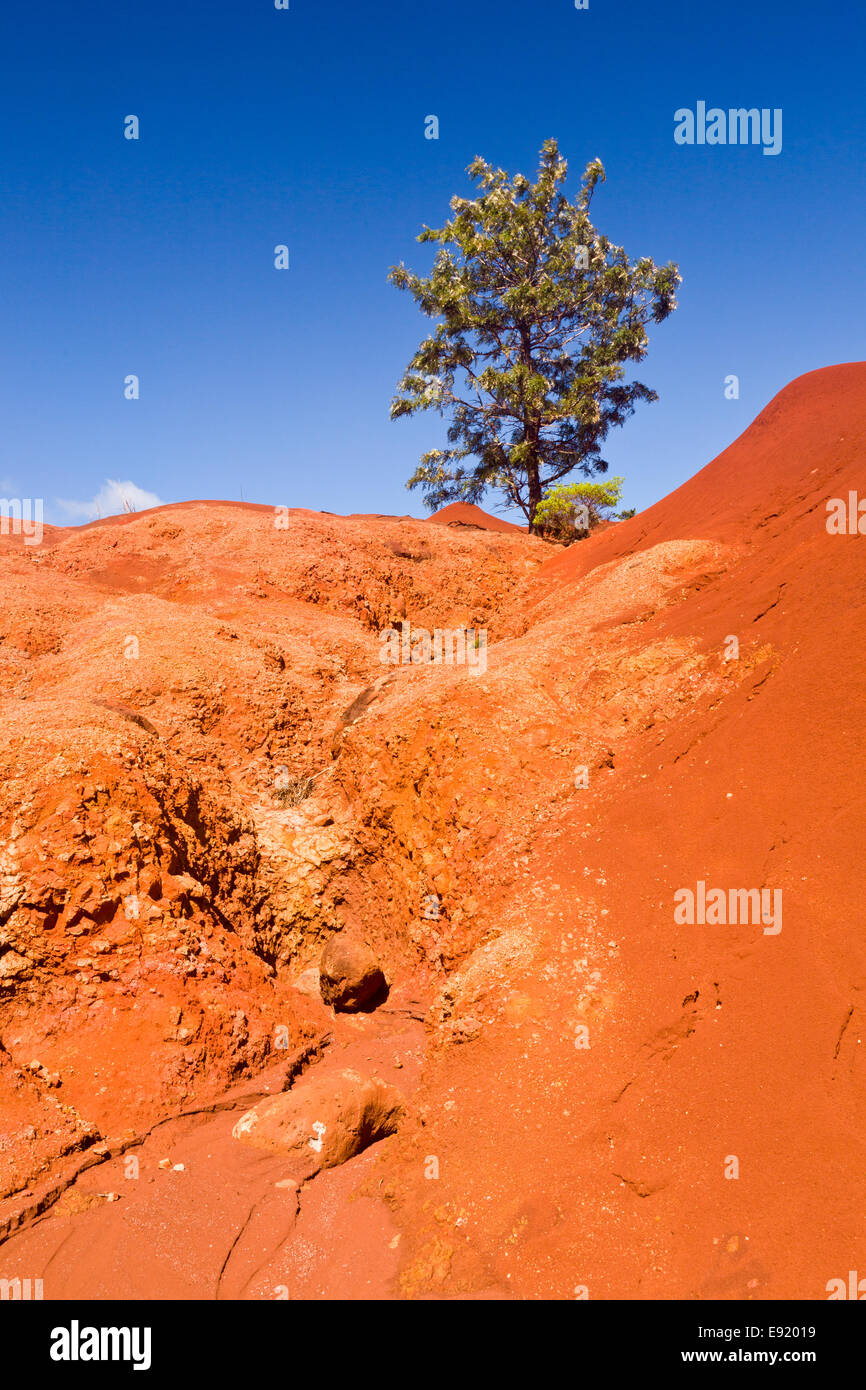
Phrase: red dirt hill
{"type": "Point", "coordinates": [597, 1096]}
{"type": "Point", "coordinates": [467, 514]}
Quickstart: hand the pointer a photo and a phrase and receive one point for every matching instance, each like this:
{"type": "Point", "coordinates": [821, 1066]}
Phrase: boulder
{"type": "Point", "coordinates": [350, 974]}
{"type": "Point", "coordinates": [322, 1121]}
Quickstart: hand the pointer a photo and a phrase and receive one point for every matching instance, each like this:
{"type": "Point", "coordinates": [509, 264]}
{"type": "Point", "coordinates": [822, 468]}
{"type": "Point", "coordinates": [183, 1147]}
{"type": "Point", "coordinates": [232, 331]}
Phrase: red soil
{"type": "Point", "coordinates": [467, 514]}
{"type": "Point", "coordinates": [528, 1164]}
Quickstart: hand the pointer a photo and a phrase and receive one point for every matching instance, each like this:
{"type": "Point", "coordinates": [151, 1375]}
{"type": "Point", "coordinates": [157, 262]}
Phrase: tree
{"type": "Point", "coordinates": [538, 316]}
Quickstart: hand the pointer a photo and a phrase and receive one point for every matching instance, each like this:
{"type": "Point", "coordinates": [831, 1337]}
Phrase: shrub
{"type": "Point", "coordinates": [571, 510]}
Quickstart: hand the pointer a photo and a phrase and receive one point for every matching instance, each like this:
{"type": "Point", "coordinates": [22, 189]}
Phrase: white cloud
{"type": "Point", "coordinates": [112, 498]}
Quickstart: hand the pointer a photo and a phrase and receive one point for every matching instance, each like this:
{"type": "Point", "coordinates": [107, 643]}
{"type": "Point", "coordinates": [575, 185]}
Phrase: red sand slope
{"type": "Point", "coordinates": [807, 440]}
{"type": "Point", "coordinates": [707, 1043]}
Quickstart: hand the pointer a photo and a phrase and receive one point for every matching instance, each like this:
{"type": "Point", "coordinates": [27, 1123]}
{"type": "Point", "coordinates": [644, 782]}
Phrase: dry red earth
{"type": "Point", "coordinates": [577, 1070]}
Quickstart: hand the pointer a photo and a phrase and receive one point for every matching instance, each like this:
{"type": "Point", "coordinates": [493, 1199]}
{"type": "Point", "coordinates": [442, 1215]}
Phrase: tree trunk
{"type": "Point", "coordinates": [531, 432]}
{"type": "Point", "coordinates": [534, 493]}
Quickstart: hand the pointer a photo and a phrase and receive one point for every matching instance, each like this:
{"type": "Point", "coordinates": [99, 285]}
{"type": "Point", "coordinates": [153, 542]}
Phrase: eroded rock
{"type": "Point", "coordinates": [323, 1120]}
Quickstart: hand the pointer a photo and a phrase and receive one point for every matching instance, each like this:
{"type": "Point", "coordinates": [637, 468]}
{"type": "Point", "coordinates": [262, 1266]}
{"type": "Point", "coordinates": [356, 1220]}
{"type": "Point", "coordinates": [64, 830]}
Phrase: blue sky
{"type": "Point", "coordinates": [306, 127]}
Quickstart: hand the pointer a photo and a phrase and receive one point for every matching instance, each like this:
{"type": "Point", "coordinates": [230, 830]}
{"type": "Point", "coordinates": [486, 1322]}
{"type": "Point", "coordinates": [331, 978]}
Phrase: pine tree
{"type": "Point", "coordinates": [538, 316]}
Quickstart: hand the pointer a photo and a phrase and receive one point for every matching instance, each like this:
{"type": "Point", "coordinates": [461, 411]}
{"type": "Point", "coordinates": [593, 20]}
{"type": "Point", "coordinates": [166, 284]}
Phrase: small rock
{"type": "Point", "coordinates": [350, 974]}
{"type": "Point", "coordinates": [308, 982]}
{"type": "Point", "coordinates": [13, 965]}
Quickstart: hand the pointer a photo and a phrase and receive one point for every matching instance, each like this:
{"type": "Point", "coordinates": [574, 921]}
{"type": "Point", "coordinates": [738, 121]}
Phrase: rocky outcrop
{"type": "Point", "coordinates": [323, 1121]}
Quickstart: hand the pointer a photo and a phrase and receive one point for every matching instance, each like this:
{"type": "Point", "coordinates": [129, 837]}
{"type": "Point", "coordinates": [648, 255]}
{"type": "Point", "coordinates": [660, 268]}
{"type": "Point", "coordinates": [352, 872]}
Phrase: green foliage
{"type": "Point", "coordinates": [537, 316]}
{"type": "Point", "coordinates": [571, 510]}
